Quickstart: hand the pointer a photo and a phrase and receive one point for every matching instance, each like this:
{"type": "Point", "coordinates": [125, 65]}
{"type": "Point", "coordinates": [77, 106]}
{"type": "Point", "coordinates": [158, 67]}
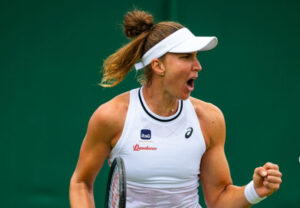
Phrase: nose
{"type": "Point", "coordinates": [196, 65]}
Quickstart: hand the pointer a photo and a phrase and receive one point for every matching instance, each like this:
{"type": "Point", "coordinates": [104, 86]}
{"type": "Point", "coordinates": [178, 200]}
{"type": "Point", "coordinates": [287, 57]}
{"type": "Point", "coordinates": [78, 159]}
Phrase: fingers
{"type": "Point", "coordinates": [271, 172]}
{"type": "Point", "coordinates": [267, 179]}
{"type": "Point", "coordinates": [273, 186]}
{"type": "Point", "coordinates": [270, 165]}
{"type": "Point", "coordinates": [272, 179]}
{"type": "Point", "coordinates": [260, 171]}
{"type": "Point", "coordinates": [269, 169]}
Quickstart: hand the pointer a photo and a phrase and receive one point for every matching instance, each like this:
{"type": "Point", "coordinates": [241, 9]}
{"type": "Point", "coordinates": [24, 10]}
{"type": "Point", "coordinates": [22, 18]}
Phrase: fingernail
{"type": "Point", "coordinates": [264, 173]}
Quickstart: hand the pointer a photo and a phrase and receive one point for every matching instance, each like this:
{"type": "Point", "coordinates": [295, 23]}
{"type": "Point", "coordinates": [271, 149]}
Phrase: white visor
{"type": "Point", "coordinates": [181, 41]}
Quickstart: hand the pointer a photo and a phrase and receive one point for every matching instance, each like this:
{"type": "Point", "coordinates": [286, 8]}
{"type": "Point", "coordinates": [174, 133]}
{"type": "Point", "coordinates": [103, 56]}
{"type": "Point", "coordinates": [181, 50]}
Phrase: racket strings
{"type": "Point", "coordinates": [115, 192]}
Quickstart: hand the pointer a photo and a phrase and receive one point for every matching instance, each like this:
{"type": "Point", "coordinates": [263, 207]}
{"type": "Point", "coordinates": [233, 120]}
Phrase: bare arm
{"type": "Point", "coordinates": [103, 128]}
{"type": "Point", "coordinates": [215, 174]}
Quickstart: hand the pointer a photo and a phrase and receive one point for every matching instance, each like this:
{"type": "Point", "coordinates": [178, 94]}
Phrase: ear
{"type": "Point", "coordinates": [158, 67]}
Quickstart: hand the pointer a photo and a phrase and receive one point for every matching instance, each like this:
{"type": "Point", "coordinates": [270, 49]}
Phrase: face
{"type": "Point", "coordinates": [181, 70]}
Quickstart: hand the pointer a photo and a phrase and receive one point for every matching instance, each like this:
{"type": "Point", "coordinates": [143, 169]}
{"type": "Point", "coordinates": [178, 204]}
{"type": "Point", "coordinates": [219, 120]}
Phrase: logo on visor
{"type": "Point", "coordinates": [146, 134]}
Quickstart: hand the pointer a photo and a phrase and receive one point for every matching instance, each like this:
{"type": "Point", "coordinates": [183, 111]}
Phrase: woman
{"type": "Point", "coordinates": [166, 138]}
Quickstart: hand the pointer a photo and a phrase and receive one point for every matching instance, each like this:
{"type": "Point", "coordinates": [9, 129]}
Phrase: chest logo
{"type": "Point", "coordinates": [189, 132]}
{"type": "Point", "coordinates": [145, 134]}
{"type": "Point", "coordinates": [137, 147]}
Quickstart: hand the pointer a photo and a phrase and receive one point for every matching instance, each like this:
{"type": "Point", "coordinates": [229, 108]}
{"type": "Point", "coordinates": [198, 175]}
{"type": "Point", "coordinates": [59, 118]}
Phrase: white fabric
{"type": "Point", "coordinates": [185, 197]}
{"type": "Point", "coordinates": [163, 163]}
{"type": "Point", "coordinates": [251, 195]}
{"type": "Point", "coordinates": [181, 41]}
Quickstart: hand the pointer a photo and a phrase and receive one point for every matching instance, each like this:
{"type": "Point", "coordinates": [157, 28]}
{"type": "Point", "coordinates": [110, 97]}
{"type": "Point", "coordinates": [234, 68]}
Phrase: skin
{"type": "Point", "coordinates": [169, 84]}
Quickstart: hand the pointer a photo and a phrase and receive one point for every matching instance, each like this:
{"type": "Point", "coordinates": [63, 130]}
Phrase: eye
{"type": "Point", "coordinates": [186, 56]}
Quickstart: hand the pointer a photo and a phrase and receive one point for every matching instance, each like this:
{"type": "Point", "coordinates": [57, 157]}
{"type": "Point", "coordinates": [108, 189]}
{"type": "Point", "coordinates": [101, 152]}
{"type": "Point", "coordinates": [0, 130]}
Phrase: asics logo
{"type": "Point", "coordinates": [189, 132]}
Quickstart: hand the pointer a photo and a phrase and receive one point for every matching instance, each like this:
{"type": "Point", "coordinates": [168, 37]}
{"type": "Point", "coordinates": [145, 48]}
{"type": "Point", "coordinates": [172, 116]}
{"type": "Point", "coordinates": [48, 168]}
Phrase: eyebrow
{"type": "Point", "coordinates": [191, 53]}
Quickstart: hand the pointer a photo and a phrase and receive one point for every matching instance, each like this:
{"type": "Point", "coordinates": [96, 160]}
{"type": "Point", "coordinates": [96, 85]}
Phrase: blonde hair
{"type": "Point", "coordinates": [138, 25]}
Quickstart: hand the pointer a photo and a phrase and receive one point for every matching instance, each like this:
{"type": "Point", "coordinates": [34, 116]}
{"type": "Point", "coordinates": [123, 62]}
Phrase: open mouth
{"type": "Point", "coordinates": [190, 83]}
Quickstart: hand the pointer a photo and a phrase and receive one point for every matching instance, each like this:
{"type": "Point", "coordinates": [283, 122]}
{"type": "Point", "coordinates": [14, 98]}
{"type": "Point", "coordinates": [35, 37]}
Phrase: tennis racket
{"type": "Point", "coordinates": [116, 186]}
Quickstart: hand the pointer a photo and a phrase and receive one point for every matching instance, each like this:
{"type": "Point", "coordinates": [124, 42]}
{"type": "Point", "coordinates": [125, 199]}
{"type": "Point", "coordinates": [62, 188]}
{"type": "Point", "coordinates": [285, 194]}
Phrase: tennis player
{"type": "Point", "coordinates": [167, 139]}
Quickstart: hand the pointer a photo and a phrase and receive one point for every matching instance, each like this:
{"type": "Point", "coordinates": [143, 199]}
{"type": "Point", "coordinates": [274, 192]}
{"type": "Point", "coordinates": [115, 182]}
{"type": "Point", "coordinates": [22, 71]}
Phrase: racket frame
{"type": "Point", "coordinates": [119, 163]}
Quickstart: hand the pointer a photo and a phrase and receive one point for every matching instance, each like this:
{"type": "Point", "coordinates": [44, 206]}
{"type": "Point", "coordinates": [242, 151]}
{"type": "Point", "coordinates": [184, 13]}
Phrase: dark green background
{"type": "Point", "coordinates": [51, 56]}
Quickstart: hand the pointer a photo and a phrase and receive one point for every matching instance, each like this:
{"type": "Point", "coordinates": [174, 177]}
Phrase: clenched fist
{"type": "Point", "coordinates": [267, 179]}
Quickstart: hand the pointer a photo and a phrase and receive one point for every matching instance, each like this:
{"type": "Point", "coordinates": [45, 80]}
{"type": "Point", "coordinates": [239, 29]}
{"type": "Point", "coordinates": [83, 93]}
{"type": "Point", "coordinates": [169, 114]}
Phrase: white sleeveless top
{"type": "Point", "coordinates": [161, 154]}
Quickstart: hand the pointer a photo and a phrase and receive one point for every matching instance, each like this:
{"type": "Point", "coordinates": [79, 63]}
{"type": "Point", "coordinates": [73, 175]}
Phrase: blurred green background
{"type": "Point", "coordinates": [51, 57]}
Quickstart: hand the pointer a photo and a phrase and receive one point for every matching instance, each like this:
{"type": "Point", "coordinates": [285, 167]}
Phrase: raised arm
{"type": "Point", "coordinates": [103, 128]}
{"type": "Point", "coordinates": [215, 174]}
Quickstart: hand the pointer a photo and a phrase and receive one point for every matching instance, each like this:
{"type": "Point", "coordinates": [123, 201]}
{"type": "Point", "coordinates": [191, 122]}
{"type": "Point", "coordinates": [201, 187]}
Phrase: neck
{"type": "Point", "coordinates": [159, 102]}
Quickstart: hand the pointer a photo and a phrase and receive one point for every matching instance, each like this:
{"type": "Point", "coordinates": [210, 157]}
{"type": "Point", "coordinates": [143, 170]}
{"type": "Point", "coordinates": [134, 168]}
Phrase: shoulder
{"type": "Point", "coordinates": [109, 117]}
{"type": "Point", "coordinates": [207, 111]}
{"type": "Point", "coordinates": [211, 120]}
{"type": "Point", "coordinates": [115, 106]}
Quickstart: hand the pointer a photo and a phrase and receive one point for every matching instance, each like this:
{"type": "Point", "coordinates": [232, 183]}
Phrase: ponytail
{"type": "Point", "coordinates": [117, 65]}
{"type": "Point", "coordinates": [138, 25]}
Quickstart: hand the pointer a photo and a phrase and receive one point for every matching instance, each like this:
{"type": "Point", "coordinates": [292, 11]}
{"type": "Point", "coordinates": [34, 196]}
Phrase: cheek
{"type": "Point", "coordinates": [175, 81]}
{"type": "Point", "coordinates": [177, 68]}
{"type": "Point", "coordinates": [174, 78]}
{"type": "Point", "coordinates": [179, 74]}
